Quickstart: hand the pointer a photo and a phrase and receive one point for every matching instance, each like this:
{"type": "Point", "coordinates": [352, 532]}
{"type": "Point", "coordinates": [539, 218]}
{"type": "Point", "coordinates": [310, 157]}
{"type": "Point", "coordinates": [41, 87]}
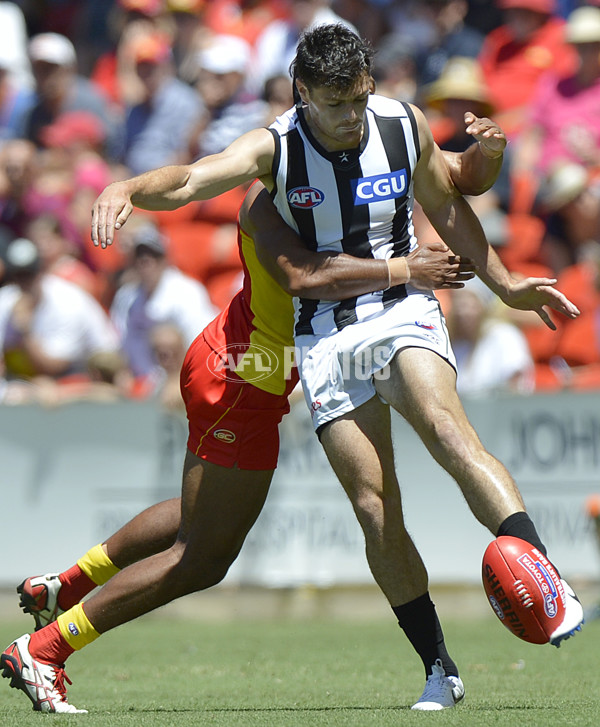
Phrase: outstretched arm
{"type": "Point", "coordinates": [337, 276]}
{"type": "Point", "coordinates": [171, 187]}
{"type": "Point", "coordinates": [459, 227]}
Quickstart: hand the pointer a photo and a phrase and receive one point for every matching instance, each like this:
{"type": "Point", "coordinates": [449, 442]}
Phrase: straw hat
{"type": "Point", "coordinates": [460, 79]}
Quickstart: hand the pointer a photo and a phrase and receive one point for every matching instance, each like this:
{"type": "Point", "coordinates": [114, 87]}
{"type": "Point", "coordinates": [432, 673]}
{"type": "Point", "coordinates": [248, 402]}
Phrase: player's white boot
{"type": "Point", "coordinates": [44, 684]}
{"type": "Point", "coordinates": [39, 597]}
{"type": "Point", "coordinates": [440, 691]}
{"type": "Point", "coordinates": [573, 619]}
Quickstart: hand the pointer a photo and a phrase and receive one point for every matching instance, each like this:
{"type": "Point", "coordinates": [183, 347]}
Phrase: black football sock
{"type": "Point", "coordinates": [520, 525]}
{"type": "Point", "coordinates": [420, 623]}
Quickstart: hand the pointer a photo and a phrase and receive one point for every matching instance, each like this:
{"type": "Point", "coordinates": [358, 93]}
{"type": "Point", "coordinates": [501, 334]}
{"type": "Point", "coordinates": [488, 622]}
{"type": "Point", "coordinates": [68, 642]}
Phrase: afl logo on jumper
{"type": "Point", "coordinates": [379, 187]}
{"type": "Point", "coordinates": [305, 198]}
{"type": "Point", "coordinates": [224, 435]}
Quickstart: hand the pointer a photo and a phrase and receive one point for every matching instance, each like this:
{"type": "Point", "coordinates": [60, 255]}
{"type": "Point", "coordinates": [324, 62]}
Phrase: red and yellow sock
{"type": "Point", "coordinates": [70, 632]}
{"type": "Point", "coordinates": [91, 570]}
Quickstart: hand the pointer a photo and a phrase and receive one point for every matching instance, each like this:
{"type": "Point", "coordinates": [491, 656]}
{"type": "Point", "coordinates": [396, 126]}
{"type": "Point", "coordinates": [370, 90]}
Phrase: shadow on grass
{"type": "Point", "coordinates": [292, 710]}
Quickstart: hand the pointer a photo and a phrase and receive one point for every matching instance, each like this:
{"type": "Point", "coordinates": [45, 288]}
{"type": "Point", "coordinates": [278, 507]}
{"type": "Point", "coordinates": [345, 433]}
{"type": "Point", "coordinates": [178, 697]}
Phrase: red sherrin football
{"type": "Point", "coordinates": [523, 589]}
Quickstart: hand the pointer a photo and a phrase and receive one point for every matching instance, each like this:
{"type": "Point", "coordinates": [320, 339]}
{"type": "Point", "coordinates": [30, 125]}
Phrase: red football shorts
{"type": "Point", "coordinates": [231, 422]}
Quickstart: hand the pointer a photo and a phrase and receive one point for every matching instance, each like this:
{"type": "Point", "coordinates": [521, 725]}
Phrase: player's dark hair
{"type": "Point", "coordinates": [331, 56]}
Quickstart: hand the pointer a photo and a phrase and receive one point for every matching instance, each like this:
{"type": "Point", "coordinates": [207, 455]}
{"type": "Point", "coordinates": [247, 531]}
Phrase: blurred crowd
{"type": "Point", "coordinates": [92, 92]}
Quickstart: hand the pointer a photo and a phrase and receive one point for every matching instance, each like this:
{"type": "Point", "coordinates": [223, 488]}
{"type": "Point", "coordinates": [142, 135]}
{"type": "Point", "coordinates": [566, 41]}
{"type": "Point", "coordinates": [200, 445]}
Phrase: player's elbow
{"type": "Point", "coordinates": [299, 285]}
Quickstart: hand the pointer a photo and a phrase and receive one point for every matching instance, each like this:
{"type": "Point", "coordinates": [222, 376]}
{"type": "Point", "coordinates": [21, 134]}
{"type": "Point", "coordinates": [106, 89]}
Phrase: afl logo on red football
{"type": "Point", "coordinates": [224, 435]}
{"type": "Point", "coordinates": [305, 198]}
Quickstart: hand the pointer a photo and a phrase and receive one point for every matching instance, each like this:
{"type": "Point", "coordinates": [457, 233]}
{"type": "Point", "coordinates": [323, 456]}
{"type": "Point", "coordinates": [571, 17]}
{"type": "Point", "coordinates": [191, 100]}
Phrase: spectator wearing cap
{"type": "Point", "coordinates": [514, 57]}
{"type": "Point", "coordinates": [159, 293]}
{"type": "Point", "coordinates": [48, 326]}
{"type": "Point", "coordinates": [564, 120]}
{"type": "Point", "coordinates": [114, 71]}
{"type": "Point", "coordinates": [245, 19]}
{"type": "Point", "coordinates": [60, 88]}
{"type": "Point", "coordinates": [230, 110]}
{"type": "Point", "coordinates": [158, 129]}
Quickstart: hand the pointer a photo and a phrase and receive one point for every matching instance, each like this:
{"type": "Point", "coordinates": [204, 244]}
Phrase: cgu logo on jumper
{"type": "Point", "coordinates": [305, 198]}
{"type": "Point", "coordinates": [380, 187]}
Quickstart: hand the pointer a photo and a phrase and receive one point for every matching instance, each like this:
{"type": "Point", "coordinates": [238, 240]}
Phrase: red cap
{"type": "Point", "coordinates": [151, 49]}
{"type": "Point", "coordinates": [547, 7]}
{"type": "Point", "coordinates": [74, 126]}
{"type": "Point", "coordinates": [151, 8]}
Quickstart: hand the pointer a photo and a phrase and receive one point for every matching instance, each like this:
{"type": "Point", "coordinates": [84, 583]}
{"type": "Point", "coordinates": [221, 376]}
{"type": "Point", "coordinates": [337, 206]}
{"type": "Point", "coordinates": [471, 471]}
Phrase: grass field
{"type": "Point", "coordinates": [158, 672]}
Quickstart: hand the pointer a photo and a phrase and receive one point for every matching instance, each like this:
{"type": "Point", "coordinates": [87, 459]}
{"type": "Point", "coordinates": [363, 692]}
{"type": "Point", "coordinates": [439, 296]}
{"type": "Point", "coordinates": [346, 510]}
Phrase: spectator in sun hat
{"type": "Point", "coordinates": [59, 87]}
{"type": "Point", "coordinates": [189, 32]}
{"type": "Point", "coordinates": [529, 45]}
{"type": "Point", "coordinates": [461, 89]}
{"type": "Point", "coordinates": [569, 202]}
{"type": "Point", "coordinates": [158, 128]}
{"type": "Point", "coordinates": [143, 8]}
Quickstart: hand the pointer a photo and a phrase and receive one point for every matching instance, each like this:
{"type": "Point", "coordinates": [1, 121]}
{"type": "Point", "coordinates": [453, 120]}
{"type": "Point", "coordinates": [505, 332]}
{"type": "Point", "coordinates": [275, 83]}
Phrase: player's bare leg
{"type": "Point", "coordinates": [152, 531]}
{"type": "Point", "coordinates": [219, 506]}
{"type": "Point", "coordinates": [422, 387]}
{"type": "Point", "coordinates": [155, 529]}
{"type": "Point", "coordinates": [359, 447]}
{"type": "Point", "coordinates": [437, 415]}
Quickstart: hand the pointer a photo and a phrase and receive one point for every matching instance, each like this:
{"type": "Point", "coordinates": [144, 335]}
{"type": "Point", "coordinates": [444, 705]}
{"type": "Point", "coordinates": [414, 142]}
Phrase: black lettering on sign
{"type": "Point", "coordinates": [546, 440]}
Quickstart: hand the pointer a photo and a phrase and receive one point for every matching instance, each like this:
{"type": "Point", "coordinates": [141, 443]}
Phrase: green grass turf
{"type": "Point", "coordinates": [156, 672]}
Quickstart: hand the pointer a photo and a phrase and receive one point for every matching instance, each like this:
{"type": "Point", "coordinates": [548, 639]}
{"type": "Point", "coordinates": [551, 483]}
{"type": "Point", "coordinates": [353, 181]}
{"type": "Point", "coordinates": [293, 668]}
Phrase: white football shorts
{"type": "Point", "coordinates": [338, 371]}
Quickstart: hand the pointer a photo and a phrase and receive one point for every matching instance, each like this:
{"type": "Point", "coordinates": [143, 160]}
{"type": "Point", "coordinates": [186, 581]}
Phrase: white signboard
{"type": "Point", "coordinates": [72, 475]}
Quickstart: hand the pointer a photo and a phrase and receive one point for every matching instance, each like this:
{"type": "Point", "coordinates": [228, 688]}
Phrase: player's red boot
{"type": "Point", "coordinates": [39, 597]}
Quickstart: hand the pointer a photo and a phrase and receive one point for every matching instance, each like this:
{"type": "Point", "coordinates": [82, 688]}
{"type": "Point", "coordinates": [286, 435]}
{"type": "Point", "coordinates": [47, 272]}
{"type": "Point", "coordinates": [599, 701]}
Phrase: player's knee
{"type": "Point", "coordinates": [373, 507]}
{"type": "Point", "coordinates": [196, 572]}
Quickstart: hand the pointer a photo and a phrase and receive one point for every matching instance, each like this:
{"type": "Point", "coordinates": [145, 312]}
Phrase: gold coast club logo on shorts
{"type": "Point", "coordinates": [248, 361]}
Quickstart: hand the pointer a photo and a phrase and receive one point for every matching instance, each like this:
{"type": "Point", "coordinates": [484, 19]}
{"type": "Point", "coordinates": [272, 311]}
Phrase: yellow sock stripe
{"type": "Point", "coordinates": [225, 413]}
{"type": "Point", "coordinates": [76, 628]}
{"type": "Point", "coordinates": [97, 565]}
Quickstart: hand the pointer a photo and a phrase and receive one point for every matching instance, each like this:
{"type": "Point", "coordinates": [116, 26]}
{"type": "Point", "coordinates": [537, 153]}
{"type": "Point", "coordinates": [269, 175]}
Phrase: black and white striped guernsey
{"type": "Point", "coordinates": [358, 201]}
